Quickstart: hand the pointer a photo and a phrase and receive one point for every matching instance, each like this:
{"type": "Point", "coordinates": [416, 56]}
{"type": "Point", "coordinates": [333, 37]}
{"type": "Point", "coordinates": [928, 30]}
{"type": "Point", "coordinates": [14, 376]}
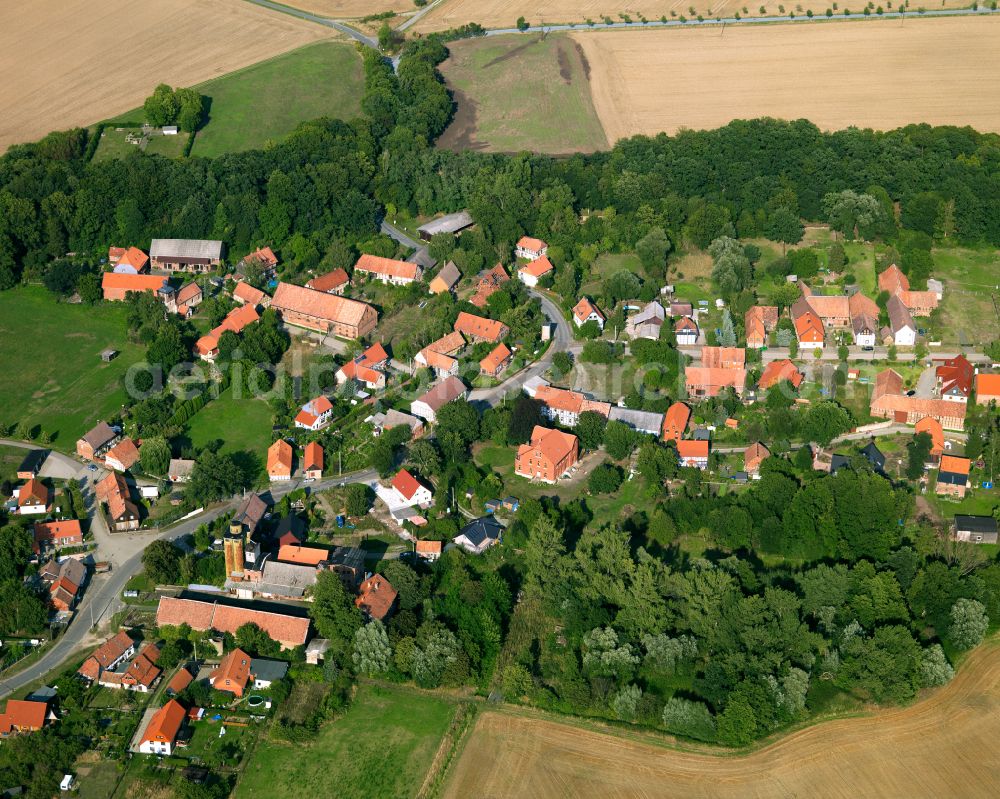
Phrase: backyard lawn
{"type": "Point", "coordinates": [53, 376]}
{"type": "Point", "coordinates": [382, 746]}
{"type": "Point", "coordinates": [243, 424]}
{"type": "Point", "coordinates": [114, 144]}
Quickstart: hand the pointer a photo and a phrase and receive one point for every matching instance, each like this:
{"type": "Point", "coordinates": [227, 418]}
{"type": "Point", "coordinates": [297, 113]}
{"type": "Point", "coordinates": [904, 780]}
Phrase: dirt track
{"type": "Point", "coordinates": [880, 74]}
{"type": "Point", "coordinates": [944, 746]}
{"type": "Point", "coordinates": [74, 62]}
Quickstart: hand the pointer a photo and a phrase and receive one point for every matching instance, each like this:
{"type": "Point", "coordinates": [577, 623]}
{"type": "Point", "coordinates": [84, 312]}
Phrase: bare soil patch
{"type": "Point", "coordinates": [930, 749]}
{"type": "Point", "coordinates": [834, 74]}
{"type": "Point", "coordinates": [74, 62]}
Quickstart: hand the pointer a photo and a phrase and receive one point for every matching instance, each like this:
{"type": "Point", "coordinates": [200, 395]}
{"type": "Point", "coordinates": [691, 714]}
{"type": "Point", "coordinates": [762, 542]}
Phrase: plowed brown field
{"type": "Point", "coordinates": [943, 746]}
{"type": "Point", "coordinates": [73, 62]}
{"type": "Point", "coordinates": [880, 74]}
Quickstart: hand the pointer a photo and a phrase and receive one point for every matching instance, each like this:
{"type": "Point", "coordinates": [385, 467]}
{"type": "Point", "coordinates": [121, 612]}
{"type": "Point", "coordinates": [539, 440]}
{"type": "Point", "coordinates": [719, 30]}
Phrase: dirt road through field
{"type": "Point", "coordinates": [939, 747]}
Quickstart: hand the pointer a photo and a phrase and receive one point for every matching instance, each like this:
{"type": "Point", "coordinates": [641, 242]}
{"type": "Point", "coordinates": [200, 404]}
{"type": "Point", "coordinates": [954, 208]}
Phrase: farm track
{"type": "Point", "coordinates": [934, 748]}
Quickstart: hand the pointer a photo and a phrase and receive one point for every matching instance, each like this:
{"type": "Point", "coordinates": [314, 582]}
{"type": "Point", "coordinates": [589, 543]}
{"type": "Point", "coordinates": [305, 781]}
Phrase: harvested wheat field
{"type": "Point", "coordinates": [940, 747]}
{"type": "Point", "coordinates": [504, 13]}
{"type": "Point", "coordinates": [880, 74]}
{"type": "Point", "coordinates": [74, 62]}
{"type": "Point", "coordinates": [349, 9]}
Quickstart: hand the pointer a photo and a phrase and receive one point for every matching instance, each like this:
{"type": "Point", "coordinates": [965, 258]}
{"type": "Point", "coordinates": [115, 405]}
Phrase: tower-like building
{"type": "Point", "coordinates": [232, 545]}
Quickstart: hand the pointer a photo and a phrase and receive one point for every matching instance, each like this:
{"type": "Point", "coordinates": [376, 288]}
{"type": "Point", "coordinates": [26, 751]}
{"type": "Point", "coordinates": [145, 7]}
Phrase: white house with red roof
{"type": "Point", "coordinates": [535, 271]}
{"type": "Point", "coordinates": [367, 368]}
{"type": "Point", "coordinates": [408, 491]}
{"type": "Point", "coordinates": [531, 248]}
{"type": "Point", "coordinates": [585, 311]}
{"type": "Point", "coordinates": [315, 414]}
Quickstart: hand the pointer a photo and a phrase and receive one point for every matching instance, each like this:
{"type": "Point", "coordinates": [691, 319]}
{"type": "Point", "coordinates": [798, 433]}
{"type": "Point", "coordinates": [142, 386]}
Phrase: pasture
{"type": "Point", "coordinates": [521, 93]}
{"type": "Point", "coordinates": [93, 59]}
{"type": "Point", "coordinates": [53, 376]}
{"type": "Point", "coordinates": [382, 746]}
{"type": "Point", "coordinates": [931, 748]}
{"type": "Point", "coordinates": [266, 101]}
{"type": "Point", "coordinates": [665, 80]}
{"type": "Point", "coordinates": [969, 315]}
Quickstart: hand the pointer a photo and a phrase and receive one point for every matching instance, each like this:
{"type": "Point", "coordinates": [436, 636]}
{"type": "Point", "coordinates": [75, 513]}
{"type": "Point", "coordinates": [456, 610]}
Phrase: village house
{"type": "Point", "coordinates": [330, 283]}
{"type": "Point", "coordinates": [585, 311]}
{"type": "Point", "coordinates": [388, 270]}
{"type": "Point", "coordinates": [953, 476]}
{"type": "Point", "coordinates": [312, 461]}
{"type": "Point", "coordinates": [686, 332]}
{"type": "Point", "coordinates": [487, 284]}
{"type": "Point", "coordinates": [548, 456]}
{"type": "Point", "coordinates": [185, 255]}
{"type": "Point", "coordinates": [533, 272]}
{"type": "Point", "coordinates": [64, 581]}
{"type": "Point", "coordinates": [122, 456]}
{"type": "Point", "coordinates": [954, 379]}
{"type": "Point", "coordinates": [918, 303]}
{"type": "Point", "coordinates": [131, 261]}
{"type": "Point", "coordinates": [438, 355]}
{"type": "Point", "coordinates": [262, 257]}
{"type": "Point", "coordinates": [932, 427]}
{"type": "Point", "coordinates": [680, 308]}
{"type": "Point", "coordinates": [675, 421]}
{"type": "Point", "coordinates": [440, 394]}
{"type": "Point", "coordinates": [315, 414]}
{"type": "Point", "coordinates": [565, 406]}
{"type": "Point", "coordinates": [179, 470]}
{"type": "Point", "coordinates": [180, 681]}
{"type": "Point", "coordinates": [22, 715]}
{"type": "Point", "coordinates": [160, 735]}
{"type": "Point", "coordinates": [232, 674]}
{"type": "Point", "coordinates": [723, 357]}
{"type": "Point", "coordinates": [279, 460]}
{"type": "Point", "coordinates": [245, 294]}
{"type": "Point", "coordinates": [777, 371]}
{"type": "Point", "coordinates": [647, 323]}
{"type": "Point", "coordinates": [975, 529]}
{"type": "Point", "coordinates": [140, 675]}
{"type": "Point", "coordinates": [904, 331]}
{"type": "Point", "coordinates": [834, 310]}
{"type": "Point", "coordinates": [446, 279]}
{"type": "Point", "coordinates": [322, 312]}
{"type": "Point", "coordinates": [109, 655]}
{"type": "Point", "coordinates": [53, 536]}
{"type": "Point", "coordinates": [183, 301]}
{"type": "Point", "coordinates": [701, 381]}
{"type": "Point", "coordinates": [393, 418]}
{"type": "Point", "coordinates": [889, 401]}
{"type": "Point", "coordinates": [116, 286]}
{"type": "Point", "coordinates": [530, 248]}
{"type": "Point", "coordinates": [758, 322]}
{"type": "Point", "coordinates": [479, 328]}
{"type": "Point", "coordinates": [368, 368]}
{"type": "Point", "coordinates": [97, 441]}
{"type": "Point", "coordinates": [497, 360]}
{"type": "Point", "coordinates": [408, 491]}
{"type": "Point", "coordinates": [809, 328]}
{"type": "Point", "coordinates": [864, 319]}
{"type": "Point", "coordinates": [987, 389]}
{"type": "Point", "coordinates": [33, 497]}
{"type": "Point", "coordinates": [207, 346]}
{"type": "Point", "coordinates": [286, 624]}
{"type": "Point", "coordinates": [479, 535]}
{"type": "Point", "coordinates": [428, 551]}
{"type": "Point", "coordinates": [376, 598]}
{"type": "Point", "coordinates": [693, 453]}
{"type": "Point", "coordinates": [122, 512]}
{"type": "Point", "coordinates": [753, 457]}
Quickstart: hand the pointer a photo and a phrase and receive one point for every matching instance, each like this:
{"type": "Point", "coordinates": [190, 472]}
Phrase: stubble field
{"type": "Point", "coordinates": [348, 9]}
{"type": "Point", "coordinates": [835, 74]}
{"type": "Point", "coordinates": [931, 749]}
{"type": "Point", "coordinates": [74, 62]}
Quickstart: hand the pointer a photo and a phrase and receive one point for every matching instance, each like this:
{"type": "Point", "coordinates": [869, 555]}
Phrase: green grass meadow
{"type": "Point", "coordinates": [53, 376]}
{"type": "Point", "coordinates": [382, 746]}
{"type": "Point", "coordinates": [243, 424]}
{"type": "Point", "coordinates": [492, 79]}
{"type": "Point", "coordinates": [266, 101]}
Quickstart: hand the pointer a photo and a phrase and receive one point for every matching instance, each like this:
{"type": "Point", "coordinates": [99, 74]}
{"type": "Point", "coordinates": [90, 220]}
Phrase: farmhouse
{"type": "Point", "coordinates": [535, 271]}
{"type": "Point", "coordinates": [933, 428]}
{"type": "Point", "coordinates": [977, 529]}
{"type": "Point", "coordinates": [723, 357]}
{"type": "Point", "coordinates": [207, 346]}
{"type": "Point", "coordinates": [918, 303]}
{"type": "Point", "coordinates": [488, 283]}
{"type": "Point", "coordinates": [693, 453]}
{"type": "Point", "coordinates": [376, 598]}
{"type": "Point", "coordinates": [479, 535]}
{"type": "Point", "coordinates": [245, 294]}
{"type": "Point", "coordinates": [753, 457]}
{"type": "Point", "coordinates": [531, 249]}
{"type": "Point", "coordinates": [701, 381]}
{"type": "Point", "coordinates": [131, 261]}
{"type": "Point", "coordinates": [97, 441]}
{"type": "Point", "coordinates": [833, 310]}
{"type": "Point", "coordinates": [114, 492]}
{"type": "Point", "coordinates": [776, 371]}
{"type": "Point", "coordinates": [262, 257]}
{"type": "Point", "coordinates": [647, 323]}
{"type": "Point", "coordinates": [279, 460]}
{"type": "Point", "coordinates": [446, 279]}
{"type": "Point", "coordinates": [440, 394]}
{"type": "Point", "coordinates": [408, 491]}
{"type": "Point", "coordinates": [479, 328]}
{"type": "Point", "coordinates": [232, 674]}
{"type": "Point", "coordinates": [809, 328]}
{"type": "Point", "coordinates": [23, 715]}
{"type": "Point", "coordinates": [52, 536]}
{"type": "Point", "coordinates": [686, 331]}
{"type": "Point", "coordinates": [113, 652]}
{"type": "Point", "coordinates": [160, 735]}
{"type": "Point", "coordinates": [438, 354]}
{"type": "Point", "coordinates": [987, 389]}
{"type": "Point", "coordinates": [449, 223]}
{"type": "Point", "coordinates": [646, 422]}
{"type": "Point", "coordinates": [759, 321]}
{"type": "Point", "coordinates": [286, 624]}
{"type": "Point", "coordinates": [675, 421]}
{"type": "Point", "coordinates": [315, 414]}
{"type": "Point", "coordinates": [566, 406]}
{"type": "Point", "coordinates": [324, 313]}
{"type": "Point", "coordinates": [548, 456]}
{"type": "Point", "coordinates": [890, 402]}
{"type": "Point", "coordinates": [953, 476]}
{"type": "Point", "coordinates": [388, 270]}
{"type": "Point", "coordinates": [312, 461]}
{"type": "Point", "coordinates": [585, 311]}
{"type": "Point", "coordinates": [183, 301]}
{"type": "Point", "coordinates": [954, 379]}
{"type": "Point", "coordinates": [498, 360]}
{"type": "Point", "coordinates": [122, 456]}
{"type": "Point", "coordinates": [331, 283]}
{"type": "Point", "coordinates": [140, 675]}
{"type": "Point", "coordinates": [185, 255]}
{"type": "Point", "coordinates": [367, 368]}
{"type": "Point", "coordinates": [33, 497]}
{"type": "Point", "coordinates": [117, 286]}
{"type": "Point", "coordinates": [64, 581]}
{"type": "Point", "coordinates": [904, 331]}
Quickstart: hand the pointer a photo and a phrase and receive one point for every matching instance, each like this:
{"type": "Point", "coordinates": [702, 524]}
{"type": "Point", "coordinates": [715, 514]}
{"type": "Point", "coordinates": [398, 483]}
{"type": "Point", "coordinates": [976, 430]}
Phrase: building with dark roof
{"type": "Point", "coordinates": [480, 534]}
{"type": "Point", "coordinates": [976, 529]}
{"type": "Point", "coordinates": [874, 456]}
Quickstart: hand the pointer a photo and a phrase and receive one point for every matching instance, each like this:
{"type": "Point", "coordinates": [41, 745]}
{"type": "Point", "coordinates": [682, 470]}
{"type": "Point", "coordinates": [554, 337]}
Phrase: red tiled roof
{"type": "Point", "coordinates": [247, 293]}
{"type": "Point", "coordinates": [181, 680]}
{"type": "Point", "coordinates": [675, 420]}
{"type": "Point", "coordinates": [702, 377]}
{"type": "Point", "coordinates": [538, 267]}
{"type": "Point", "coordinates": [304, 556]}
{"type": "Point", "coordinates": [106, 654]}
{"type": "Point", "coordinates": [776, 371]}
{"type": "Point", "coordinates": [33, 492]}
{"type": "Point", "coordinates": [375, 354]}
{"type": "Point", "coordinates": [233, 672]}
{"type": "Point", "coordinates": [489, 283]}
{"type": "Point", "coordinates": [135, 258]}
{"type": "Point", "coordinates": [165, 723]}
{"type": "Point", "coordinates": [553, 445]}
{"type": "Point", "coordinates": [375, 597]}
{"type": "Point", "coordinates": [279, 458]}
{"type": "Point", "coordinates": [893, 280]}
{"type": "Point", "coordinates": [429, 547]}
{"type": "Point", "coordinates": [933, 428]}
{"type": "Point", "coordinates": [125, 452]}
{"type": "Point", "coordinates": [405, 483]}
{"type": "Point", "coordinates": [492, 362]}
{"type": "Point", "coordinates": [143, 669]}
{"type": "Point", "coordinates": [330, 281]}
{"type": "Point", "coordinates": [235, 321]}
{"type": "Point", "coordinates": [754, 455]}
{"type": "Point", "coordinates": [263, 254]}
{"type": "Point", "coordinates": [809, 328]}
{"type": "Point", "coordinates": [987, 385]}
{"type": "Point", "coordinates": [51, 531]}
{"type": "Point", "coordinates": [955, 464]}
{"type": "Point", "coordinates": [330, 307]}
{"type": "Point", "coordinates": [202, 615]}
{"type": "Point", "coordinates": [22, 714]}
{"type": "Point", "coordinates": [723, 357]}
{"type": "Point", "coordinates": [956, 375]}
{"type": "Point", "coordinates": [127, 282]}
{"type": "Point", "coordinates": [313, 459]}
{"type": "Point", "coordinates": [480, 327]}
{"type": "Point", "coordinates": [373, 264]}
{"type": "Point", "coordinates": [688, 448]}
{"type": "Point", "coordinates": [584, 308]}
{"type": "Point", "coordinates": [529, 243]}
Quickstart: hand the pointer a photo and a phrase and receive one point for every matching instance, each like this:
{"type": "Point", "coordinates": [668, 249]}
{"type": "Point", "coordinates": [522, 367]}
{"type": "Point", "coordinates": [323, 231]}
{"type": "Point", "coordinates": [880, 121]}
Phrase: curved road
{"type": "Point", "coordinates": [357, 35]}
